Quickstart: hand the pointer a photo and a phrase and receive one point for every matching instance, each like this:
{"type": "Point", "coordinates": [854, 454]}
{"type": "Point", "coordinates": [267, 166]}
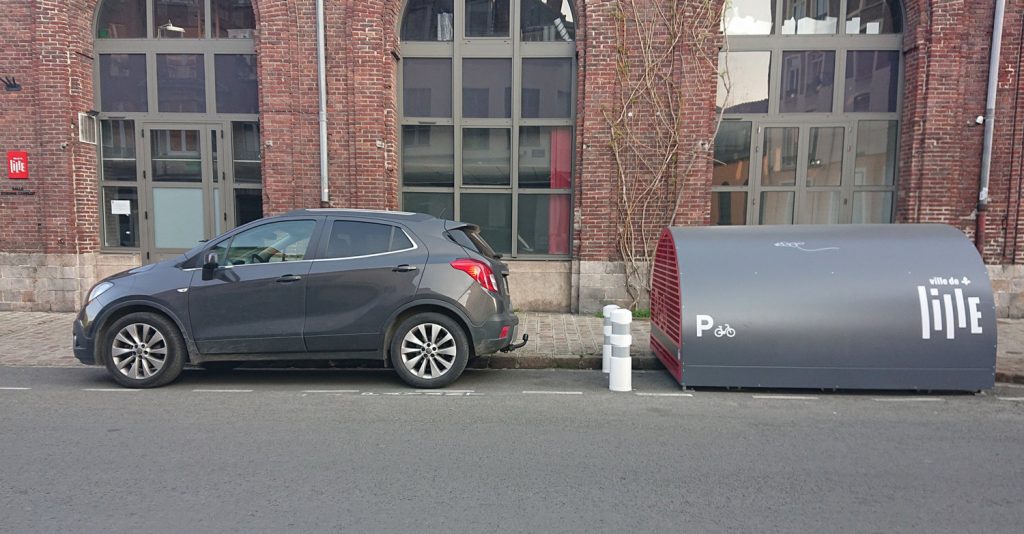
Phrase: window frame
{"type": "Point", "coordinates": [514, 48]}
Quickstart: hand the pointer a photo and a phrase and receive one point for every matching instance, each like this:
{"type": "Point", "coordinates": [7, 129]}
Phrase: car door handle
{"type": "Point", "coordinates": [288, 278]}
{"type": "Point", "coordinates": [404, 268]}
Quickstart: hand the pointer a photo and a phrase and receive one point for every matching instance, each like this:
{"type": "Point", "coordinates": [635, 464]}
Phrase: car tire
{"type": "Point", "coordinates": [143, 350]}
{"type": "Point", "coordinates": [429, 350]}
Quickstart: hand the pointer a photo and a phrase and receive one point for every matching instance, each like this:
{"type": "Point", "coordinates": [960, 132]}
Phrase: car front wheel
{"type": "Point", "coordinates": [144, 350]}
{"type": "Point", "coordinates": [429, 350]}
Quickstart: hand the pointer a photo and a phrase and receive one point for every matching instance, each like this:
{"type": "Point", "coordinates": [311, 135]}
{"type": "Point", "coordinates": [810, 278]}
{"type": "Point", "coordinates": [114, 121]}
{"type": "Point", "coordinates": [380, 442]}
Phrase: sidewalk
{"type": "Point", "coordinates": [557, 340]}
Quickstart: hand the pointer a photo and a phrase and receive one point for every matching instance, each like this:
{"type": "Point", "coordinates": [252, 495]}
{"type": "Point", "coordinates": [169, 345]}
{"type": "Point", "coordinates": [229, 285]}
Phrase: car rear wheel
{"type": "Point", "coordinates": [429, 350]}
{"type": "Point", "coordinates": [144, 350]}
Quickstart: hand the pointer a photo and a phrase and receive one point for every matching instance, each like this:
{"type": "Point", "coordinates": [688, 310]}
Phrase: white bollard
{"type": "Point", "coordinates": [606, 350]}
{"type": "Point", "coordinates": [620, 377]}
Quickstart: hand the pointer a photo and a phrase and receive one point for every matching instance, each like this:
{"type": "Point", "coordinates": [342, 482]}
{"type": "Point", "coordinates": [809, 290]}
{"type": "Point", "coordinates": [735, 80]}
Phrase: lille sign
{"type": "Point", "coordinates": [17, 165]}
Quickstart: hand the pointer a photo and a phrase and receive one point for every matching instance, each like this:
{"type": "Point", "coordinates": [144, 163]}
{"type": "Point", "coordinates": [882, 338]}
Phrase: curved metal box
{"type": "Point", "coordinates": [852, 307]}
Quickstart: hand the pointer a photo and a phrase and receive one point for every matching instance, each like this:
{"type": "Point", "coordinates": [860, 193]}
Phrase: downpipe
{"type": "Point", "coordinates": [321, 74]}
{"type": "Point", "coordinates": [990, 112]}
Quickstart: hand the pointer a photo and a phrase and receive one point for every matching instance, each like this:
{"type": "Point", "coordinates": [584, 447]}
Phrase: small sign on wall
{"type": "Point", "coordinates": [17, 165]}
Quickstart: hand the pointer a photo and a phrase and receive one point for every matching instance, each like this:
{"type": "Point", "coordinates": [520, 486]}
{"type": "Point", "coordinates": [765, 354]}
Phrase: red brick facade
{"type": "Point", "coordinates": [48, 46]}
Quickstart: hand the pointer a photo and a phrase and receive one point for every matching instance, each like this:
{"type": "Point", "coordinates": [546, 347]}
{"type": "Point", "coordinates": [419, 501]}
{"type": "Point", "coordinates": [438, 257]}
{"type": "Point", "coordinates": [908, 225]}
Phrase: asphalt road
{"type": "Point", "coordinates": [510, 451]}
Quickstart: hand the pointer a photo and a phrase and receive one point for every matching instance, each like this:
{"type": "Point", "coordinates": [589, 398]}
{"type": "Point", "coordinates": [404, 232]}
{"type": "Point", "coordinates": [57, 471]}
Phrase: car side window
{"type": "Point", "coordinates": [267, 243]}
{"type": "Point", "coordinates": [350, 239]}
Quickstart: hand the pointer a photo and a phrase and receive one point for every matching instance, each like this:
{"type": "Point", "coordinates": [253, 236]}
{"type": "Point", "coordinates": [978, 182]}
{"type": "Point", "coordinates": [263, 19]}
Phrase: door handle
{"type": "Point", "coordinates": [288, 278]}
{"type": "Point", "coordinates": [404, 268]}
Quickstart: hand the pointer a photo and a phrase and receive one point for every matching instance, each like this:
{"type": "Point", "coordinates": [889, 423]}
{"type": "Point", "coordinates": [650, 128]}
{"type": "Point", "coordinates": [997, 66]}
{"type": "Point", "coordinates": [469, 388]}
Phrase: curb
{"type": "Point", "coordinates": [640, 363]}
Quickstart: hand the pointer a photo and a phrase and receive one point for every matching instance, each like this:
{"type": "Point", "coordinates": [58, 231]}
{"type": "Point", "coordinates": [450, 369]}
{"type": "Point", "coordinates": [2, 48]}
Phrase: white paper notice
{"type": "Point", "coordinates": [120, 207]}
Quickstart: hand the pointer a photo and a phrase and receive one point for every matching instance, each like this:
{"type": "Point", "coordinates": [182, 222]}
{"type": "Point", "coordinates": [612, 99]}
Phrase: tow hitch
{"type": "Point", "coordinates": [513, 346]}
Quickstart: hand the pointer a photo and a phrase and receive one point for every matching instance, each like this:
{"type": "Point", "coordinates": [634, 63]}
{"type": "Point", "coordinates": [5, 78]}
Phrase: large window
{"type": "Point", "coordinates": [810, 97]}
{"type": "Point", "coordinates": [488, 106]}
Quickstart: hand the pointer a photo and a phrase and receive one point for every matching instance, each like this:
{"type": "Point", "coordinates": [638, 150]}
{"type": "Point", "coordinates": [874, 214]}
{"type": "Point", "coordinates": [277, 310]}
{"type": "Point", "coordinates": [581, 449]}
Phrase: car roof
{"type": "Point", "coordinates": [369, 214]}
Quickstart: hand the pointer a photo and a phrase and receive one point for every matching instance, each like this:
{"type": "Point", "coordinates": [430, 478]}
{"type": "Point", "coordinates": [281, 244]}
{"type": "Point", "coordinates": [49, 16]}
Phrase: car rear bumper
{"type": "Point", "coordinates": [488, 338]}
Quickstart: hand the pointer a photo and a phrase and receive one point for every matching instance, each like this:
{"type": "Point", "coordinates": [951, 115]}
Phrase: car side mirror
{"type": "Point", "coordinates": [209, 265]}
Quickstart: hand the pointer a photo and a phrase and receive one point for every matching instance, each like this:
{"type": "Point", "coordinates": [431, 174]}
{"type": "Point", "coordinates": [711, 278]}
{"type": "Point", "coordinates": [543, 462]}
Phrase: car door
{"type": "Point", "coordinates": [254, 301]}
{"type": "Point", "coordinates": [364, 271]}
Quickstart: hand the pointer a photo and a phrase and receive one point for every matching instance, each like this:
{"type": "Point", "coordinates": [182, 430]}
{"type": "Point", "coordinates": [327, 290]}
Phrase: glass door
{"type": "Point", "coordinates": [182, 183]}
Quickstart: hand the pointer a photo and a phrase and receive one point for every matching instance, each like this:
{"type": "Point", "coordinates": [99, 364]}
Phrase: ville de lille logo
{"type": "Point", "coordinates": [945, 309]}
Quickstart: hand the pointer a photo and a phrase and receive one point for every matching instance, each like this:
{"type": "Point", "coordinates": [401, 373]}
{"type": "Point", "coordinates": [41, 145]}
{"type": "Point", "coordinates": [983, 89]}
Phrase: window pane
{"type": "Point", "coordinates": [807, 80]}
{"type": "Point", "coordinates": [492, 212]}
{"type": "Point", "coordinates": [777, 207]}
{"type": "Point", "coordinates": [441, 205]}
{"type": "Point", "coordinates": [248, 205]}
{"type": "Point", "coordinates": [876, 153]}
{"type": "Point", "coordinates": [547, 21]}
{"type": "Point", "coordinates": [245, 137]}
{"type": "Point", "coordinates": [487, 18]}
{"type": "Point", "coordinates": [825, 157]}
{"type": "Point", "coordinates": [547, 88]}
{"type": "Point", "coordinates": [544, 224]}
{"type": "Point", "coordinates": [872, 208]}
{"type": "Point", "coordinates": [233, 19]}
{"type": "Point", "coordinates": [428, 87]}
{"type": "Point", "coordinates": [118, 150]}
{"type": "Point", "coordinates": [732, 154]}
{"type": "Point", "coordinates": [743, 81]}
{"type": "Point", "coordinates": [749, 17]}
{"type": "Point", "coordinates": [545, 157]}
{"type": "Point", "coordinates": [822, 207]}
{"type": "Point", "coordinates": [779, 159]}
{"type": "Point", "coordinates": [873, 17]}
{"type": "Point", "coordinates": [176, 156]}
{"type": "Point", "coordinates": [872, 80]}
{"type": "Point", "coordinates": [486, 156]}
{"type": "Point", "coordinates": [177, 217]}
{"type": "Point", "coordinates": [179, 18]}
{"type": "Point", "coordinates": [350, 238]}
{"type": "Point", "coordinates": [803, 17]}
{"type": "Point", "coordinates": [236, 83]}
{"type": "Point", "coordinates": [123, 82]}
{"type": "Point", "coordinates": [120, 229]}
{"type": "Point", "coordinates": [180, 82]}
{"type": "Point", "coordinates": [121, 19]}
{"type": "Point", "coordinates": [487, 88]}
{"type": "Point", "coordinates": [428, 20]}
{"type": "Point", "coordinates": [728, 208]}
{"type": "Point", "coordinates": [428, 155]}
{"type": "Point", "coordinates": [271, 243]}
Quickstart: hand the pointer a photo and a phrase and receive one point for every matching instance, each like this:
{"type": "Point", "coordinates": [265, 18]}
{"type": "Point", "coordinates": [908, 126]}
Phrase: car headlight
{"type": "Point", "coordinates": [99, 289]}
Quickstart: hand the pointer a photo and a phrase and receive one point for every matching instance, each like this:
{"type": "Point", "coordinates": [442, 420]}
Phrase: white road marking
{"type": "Point", "coordinates": [14, 389]}
{"type": "Point", "coordinates": [665, 394]}
{"type": "Point", "coordinates": [446, 390]}
{"type": "Point", "coordinates": [330, 391]}
{"type": "Point", "coordinates": [909, 399]}
{"type": "Point", "coordinates": [1000, 398]}
{"type": "Point", "coordinates": [552, 393]}
{"type": "Point", "coordinates": [110, 389]}
{"type": "Point", "coordinates": [785, 397]}
{"type": "Point", "coordinates": [222, 390]}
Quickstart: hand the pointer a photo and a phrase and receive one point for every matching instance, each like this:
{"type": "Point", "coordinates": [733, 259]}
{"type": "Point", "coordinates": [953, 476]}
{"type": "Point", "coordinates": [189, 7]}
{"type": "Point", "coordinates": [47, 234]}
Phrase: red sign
{"type": "Point", "coordinates": [17, 165]}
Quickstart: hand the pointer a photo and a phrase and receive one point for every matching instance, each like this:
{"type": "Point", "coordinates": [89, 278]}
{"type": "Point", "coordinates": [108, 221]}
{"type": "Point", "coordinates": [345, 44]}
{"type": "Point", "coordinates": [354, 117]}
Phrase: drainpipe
{"type": "Point", "coordinates": [990, 112]}
{"type": "Point", "coordinates": [322, 82]}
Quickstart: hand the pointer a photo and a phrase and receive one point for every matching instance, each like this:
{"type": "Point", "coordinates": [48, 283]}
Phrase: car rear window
{"type": "Point", "coordinates": [469, 237]}
{"type": "Point", "coordinates": [353, 238]}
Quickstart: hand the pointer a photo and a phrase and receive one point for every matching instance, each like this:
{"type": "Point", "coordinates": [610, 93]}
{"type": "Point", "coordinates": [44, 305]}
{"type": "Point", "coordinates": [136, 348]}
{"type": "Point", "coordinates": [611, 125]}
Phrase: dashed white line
{"type": "Point", "coordinates": [909, 399]}
{"type": "Point", "coordinates": [110, 390]}
{"type": "Point", "coordinates": [552, 393]}
{"type": "Point", "coordinates": [1018, 399]}
{"type": "Point", "coordinates": [665, 394]}
{"type": "Point", "coordinates": [446, 390]}
{"type": "Point", "coordinates": [222, 390]}
{"type": "Point", "coordinates": [785, 397]}
{"type": "Point", "coordinates": [330, 391]}
{"type": "Point", "coordinates": [14, 389]}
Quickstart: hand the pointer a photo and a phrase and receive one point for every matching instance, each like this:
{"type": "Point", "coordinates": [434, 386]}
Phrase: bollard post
{"type": "Point", "coordinates": [606, 350]}
{"type": "Point", "coordinates": [620, 377]}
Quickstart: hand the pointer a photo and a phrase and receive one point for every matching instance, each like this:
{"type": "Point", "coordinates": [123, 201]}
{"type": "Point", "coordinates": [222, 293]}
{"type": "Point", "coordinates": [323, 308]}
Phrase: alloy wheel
{"type": "Point", "coordinates": [139, 351]}
{"type": "Point", "coordinates": [428, 350]}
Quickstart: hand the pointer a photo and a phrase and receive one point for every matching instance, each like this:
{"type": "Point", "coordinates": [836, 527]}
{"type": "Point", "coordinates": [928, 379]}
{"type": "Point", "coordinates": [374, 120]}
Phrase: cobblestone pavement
{"type": "Point", "coordinates": [556, 340]}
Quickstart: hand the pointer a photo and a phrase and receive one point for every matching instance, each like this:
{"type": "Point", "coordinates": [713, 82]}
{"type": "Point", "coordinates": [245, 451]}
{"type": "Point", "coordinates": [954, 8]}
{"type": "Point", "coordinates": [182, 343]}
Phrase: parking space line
{"type": "Point", "coordinates": [908, 399]}
{"type": "Point", "coordinates": [665, 394]}
{"type": "Point", "coordinates": [1018, 399]}
{"type": "Point", "coordinates": [110, 390]}
{"type": "Point", "coordinates": [552, 393]}
{"type": "Point", "coordinates": [222, 390]}
{"type": "Point", "coordinates": [14, 389]}
{"type": "Point", "coordinates": [330, 391]}
{"type": "Point", "coordinates": [785, 397]}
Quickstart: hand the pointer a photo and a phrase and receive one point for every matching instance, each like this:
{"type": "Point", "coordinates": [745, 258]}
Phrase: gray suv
{"type": "Point", "coordinates": [421, 293]}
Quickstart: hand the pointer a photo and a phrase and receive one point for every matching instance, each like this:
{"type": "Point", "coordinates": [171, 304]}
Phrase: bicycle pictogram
{"type": "Point", "coordinates": [725, 330]}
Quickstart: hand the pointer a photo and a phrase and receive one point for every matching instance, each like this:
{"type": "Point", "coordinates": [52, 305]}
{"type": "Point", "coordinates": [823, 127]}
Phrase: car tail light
{"type": "Point", "coordinates": [479, 271]}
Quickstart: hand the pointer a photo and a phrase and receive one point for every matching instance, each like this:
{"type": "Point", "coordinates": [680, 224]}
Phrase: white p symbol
{"type": "Point", "coordinates": [704, 323]}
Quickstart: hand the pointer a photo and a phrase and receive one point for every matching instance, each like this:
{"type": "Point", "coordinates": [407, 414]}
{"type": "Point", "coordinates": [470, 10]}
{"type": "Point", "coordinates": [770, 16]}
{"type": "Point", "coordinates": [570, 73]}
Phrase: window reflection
{"type": "Point", "coordinates": [732, 154]}
{"type": "Point", "coordinates": [487, 88]}
{"type": "Point", "coordinates": [807, 81]}
{"type": "Point", "coordinates": [428, 20]}
{"type": "Point", "coordinates": [123, 83]}
{"type": "Point", "coordinates": [547, 88]}
{"type": "Point", "coordinates": [427, 87]}
{"type": "Point", "coordinates": [487, 18]}
{"type": "Point", "coordinates": [872, 80]}
{"type": "Point", "coordinates": [825, 157]}
{"type": "Point", "coordinates": [803, 17]}
{"type": "Point", "coordinates": [179, 19]}
{"type": "Point", "coordinates": [236, 83]}
{"type": "Point", "coordinates": [181, 83]}
{"type": "Point", "coordinates": [876, 153]}
{"type": "Point", "coordinates": [872, 17]}
{"type": "Point", "coordinates": [749, 17]}
{"type": "Point", "coordinates": [121, 19]}
{"type": "Point", "coordinates": [547, 20]}
{"type": "Point", "coordinates": [428, 155]}
{"type": "Point", "coordinates": [233, 19]}
{"type": "Point", "coordinates": [743, 81]}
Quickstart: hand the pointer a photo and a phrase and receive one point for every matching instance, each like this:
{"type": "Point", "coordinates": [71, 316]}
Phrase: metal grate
{"type": "Point", "coordinates": [665, 291]}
